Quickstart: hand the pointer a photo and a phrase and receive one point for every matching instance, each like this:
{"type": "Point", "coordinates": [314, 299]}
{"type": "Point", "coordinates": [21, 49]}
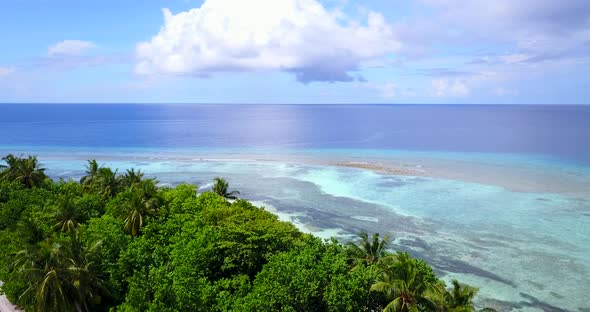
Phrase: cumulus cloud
{"type": "Point", "coordinates": [444, 87]}
{"type": "Point", "coordinates": [297, 36]}
{"type": "Point", "coordinates": [69, 48]}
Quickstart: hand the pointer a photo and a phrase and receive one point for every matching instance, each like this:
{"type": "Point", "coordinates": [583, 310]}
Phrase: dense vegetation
{"type": "Point", "coordinates": [118, 242]}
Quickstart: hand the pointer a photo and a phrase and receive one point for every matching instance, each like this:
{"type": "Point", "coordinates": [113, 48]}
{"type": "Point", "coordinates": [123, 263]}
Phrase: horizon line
{"type": "Point", "coordinates": [301, 104]}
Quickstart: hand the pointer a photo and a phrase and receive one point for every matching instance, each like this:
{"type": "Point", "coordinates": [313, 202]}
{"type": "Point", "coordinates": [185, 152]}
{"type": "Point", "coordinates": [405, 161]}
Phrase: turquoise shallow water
{"type": "Point", "coordinates": [528, 251]}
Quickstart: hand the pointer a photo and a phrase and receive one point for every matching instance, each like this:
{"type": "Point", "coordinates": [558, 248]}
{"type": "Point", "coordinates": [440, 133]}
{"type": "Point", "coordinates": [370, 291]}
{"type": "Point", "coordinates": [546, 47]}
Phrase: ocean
{"type": "Point", "coordinates": [552, 130]}
{"type": "Point", "coordinates": [497, 196]}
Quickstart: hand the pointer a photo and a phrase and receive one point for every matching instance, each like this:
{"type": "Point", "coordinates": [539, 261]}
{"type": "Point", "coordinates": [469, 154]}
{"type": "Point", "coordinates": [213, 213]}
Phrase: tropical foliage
{"type": "Point", "coordinates": [113, 242]}
{"type": "Point", "coordinates": [23, 170]}
{"type": "Point", "coordinates": [66, 216]}
{"type": "Point", "coordinates": [221, 188]}
{"type": "Point", "coordinates": [62, 275]}
{"type": "Point", "coordinates": [368, 251]}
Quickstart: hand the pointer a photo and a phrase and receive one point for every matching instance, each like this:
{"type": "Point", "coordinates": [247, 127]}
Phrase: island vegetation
{"type": "Point", "coordinates": [118, 242]}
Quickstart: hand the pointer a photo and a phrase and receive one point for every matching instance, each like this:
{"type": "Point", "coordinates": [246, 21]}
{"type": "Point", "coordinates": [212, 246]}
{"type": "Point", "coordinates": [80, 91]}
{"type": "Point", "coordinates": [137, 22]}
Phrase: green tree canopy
{"type": "Point", "coordinates": [27, 171]}
{"type": "Point", "coordinates": [114, 242]}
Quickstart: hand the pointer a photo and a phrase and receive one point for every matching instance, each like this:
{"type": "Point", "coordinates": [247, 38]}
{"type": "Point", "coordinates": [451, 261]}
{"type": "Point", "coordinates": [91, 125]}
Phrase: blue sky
{"type": "Point", "coordinates": [296, 51]}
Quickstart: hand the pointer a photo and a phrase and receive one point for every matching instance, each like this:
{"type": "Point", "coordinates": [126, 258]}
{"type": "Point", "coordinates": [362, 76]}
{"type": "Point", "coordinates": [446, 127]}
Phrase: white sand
{"type": "Point", "coordinates": [5, 305]}
{"type": "Point", "coordinates": [512, 177]}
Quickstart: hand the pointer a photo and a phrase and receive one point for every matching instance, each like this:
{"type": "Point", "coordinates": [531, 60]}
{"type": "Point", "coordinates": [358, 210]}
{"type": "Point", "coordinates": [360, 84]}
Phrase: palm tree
{"type": "Point", "coordinates": [138, 208]}
{"type": "Point", "coordinates": [439, 296]}
{"type": "Point", "coordinates": [85, 274]}
{"type": "Point", "coordinates": [368, 251]}
{"type": "Point", "coordinates": [220, 187]}
{"type": "Point", "coordinates": [91, 172]}
{"type": "Point", "coordinates": [404, 294]}
{"type": "Point", "coordinates": [403, 287]}
{"type": "Point", "coordinates": [461, 297]}
{"type": "Point", "coordinates": [25, 170]}
{"type": "Point", "coordinates": [30, 230]}
{"type": "Point", "coordinates": [41, 266]}
{"type": "Point", "coordinates": [66, 215]}
{"type": "Point", "coordinates": [101, 180]}
{"type": "Point", "coordinates": [131, 177]}
{"type": "Point", "coordinates": [63, 276]}
{"type": "Point", "coordinates": [148, 188]}
{"type": "Point", "coordinates": [457, 299]}
{"type": "Point", "coordinates": [11, 163]}
{"type": "Point", "coordinates": [106, 182]}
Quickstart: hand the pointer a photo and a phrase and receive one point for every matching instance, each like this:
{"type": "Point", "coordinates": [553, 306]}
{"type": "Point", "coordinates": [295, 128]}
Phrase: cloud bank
{"type": "Point", "coordinates": [477, 47]}
{"type": "Point", "coordinates": [297, 36]}
{"type": "Point", "coordinates": [69, 48]}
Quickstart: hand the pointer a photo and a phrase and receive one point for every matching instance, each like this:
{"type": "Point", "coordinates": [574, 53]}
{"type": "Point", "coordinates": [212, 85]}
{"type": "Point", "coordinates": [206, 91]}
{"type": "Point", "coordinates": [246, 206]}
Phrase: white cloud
{"type": "Point", "coordinates": [69, 48]}
{"type": "Point", "coordinates": [477, 46]}
{"type": "Point", "coordinates": [298, 36]}
{"type": "Point", "coordinates": [445, 87]}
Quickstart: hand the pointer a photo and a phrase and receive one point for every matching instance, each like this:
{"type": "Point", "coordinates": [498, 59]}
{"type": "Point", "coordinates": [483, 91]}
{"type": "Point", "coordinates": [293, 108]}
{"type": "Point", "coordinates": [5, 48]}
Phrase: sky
{"type": "Point", "coordinates": [295, 51]}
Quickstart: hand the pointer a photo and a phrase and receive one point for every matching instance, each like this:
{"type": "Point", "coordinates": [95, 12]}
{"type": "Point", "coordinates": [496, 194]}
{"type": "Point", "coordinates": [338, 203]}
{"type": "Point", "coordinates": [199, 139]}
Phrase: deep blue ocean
{"type": "Point", "coordinates": [559, 131]}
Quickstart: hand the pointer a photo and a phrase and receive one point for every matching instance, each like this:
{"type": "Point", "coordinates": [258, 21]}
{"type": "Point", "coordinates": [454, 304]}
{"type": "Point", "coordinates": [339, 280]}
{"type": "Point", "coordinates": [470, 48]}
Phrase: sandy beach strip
{"type": "Point", "coordinates": [386, 169]}
{"type": "Point", "coordinates": [513, 178]}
